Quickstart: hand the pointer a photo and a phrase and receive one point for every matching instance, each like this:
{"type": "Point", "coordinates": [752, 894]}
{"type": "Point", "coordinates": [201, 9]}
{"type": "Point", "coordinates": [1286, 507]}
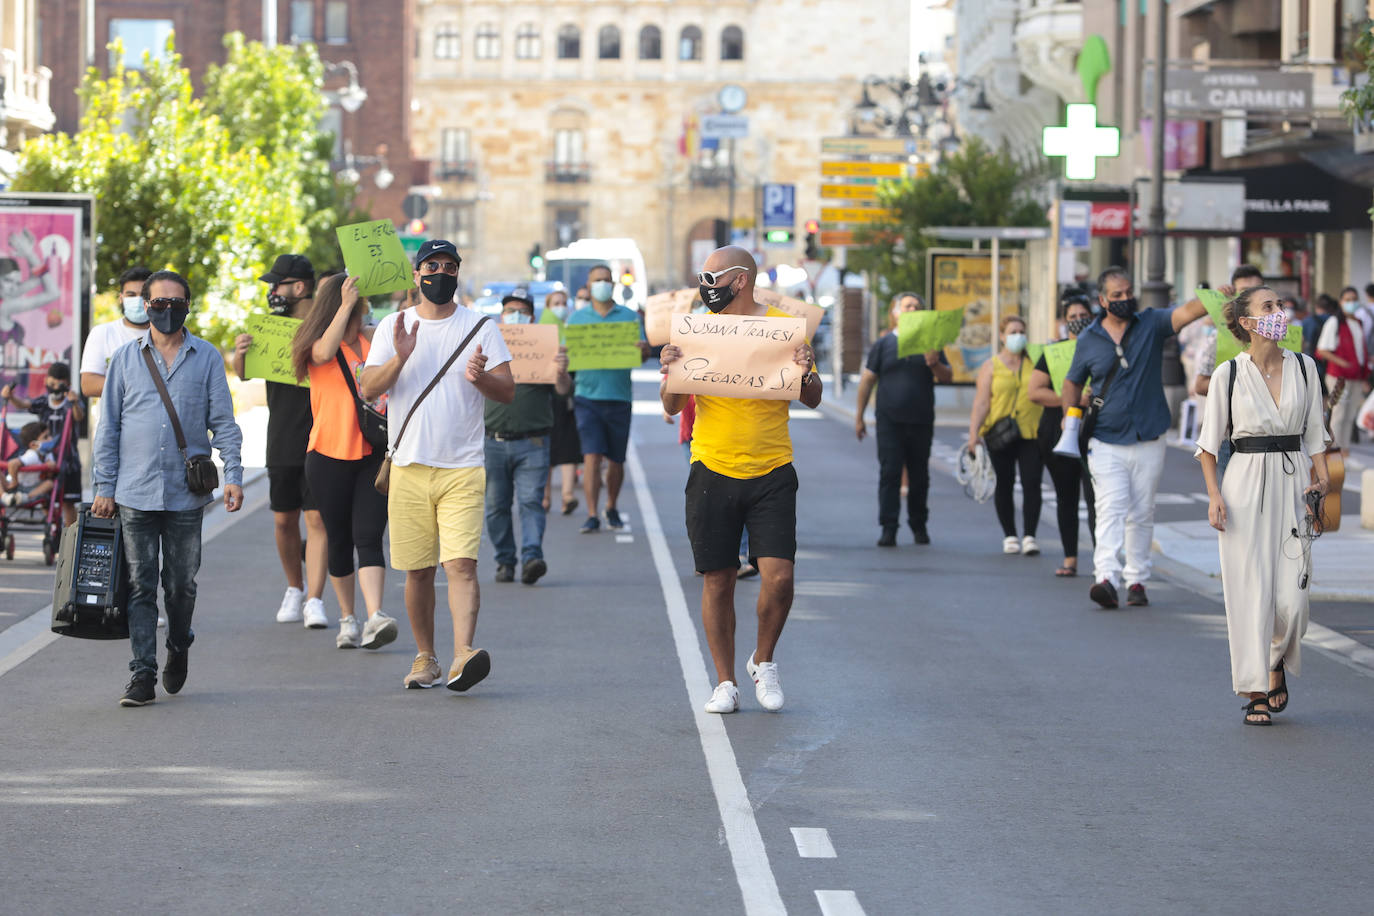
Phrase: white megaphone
{"type": "Point", "coordinates": [1068, 443]}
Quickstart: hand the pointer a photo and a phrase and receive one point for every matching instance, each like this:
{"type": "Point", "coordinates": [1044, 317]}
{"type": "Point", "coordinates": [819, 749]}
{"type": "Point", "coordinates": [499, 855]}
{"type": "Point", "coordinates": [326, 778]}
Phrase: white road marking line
{"type": "Point", "coordinates": [753, 872]}
{"type": "Point", "coordinates": [839, 903]}
{"type": "Point", "coordinates": [624, 538]}
{"type": "Point", "coordinates": [813, 842]}
{"type": "Point", "coordinates": [23, 640]}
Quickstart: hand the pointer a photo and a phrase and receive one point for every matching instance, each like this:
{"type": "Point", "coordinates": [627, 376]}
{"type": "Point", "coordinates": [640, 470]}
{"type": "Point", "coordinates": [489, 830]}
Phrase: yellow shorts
{"type": "Point", "coordinates": [435, 514]}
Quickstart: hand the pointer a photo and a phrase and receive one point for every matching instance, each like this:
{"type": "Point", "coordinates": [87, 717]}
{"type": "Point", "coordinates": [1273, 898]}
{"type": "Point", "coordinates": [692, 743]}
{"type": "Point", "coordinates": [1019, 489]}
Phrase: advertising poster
{"type": "Point", "coordinates": [42, 309]}
{"type": "Point", "coordinates": [962, 279]}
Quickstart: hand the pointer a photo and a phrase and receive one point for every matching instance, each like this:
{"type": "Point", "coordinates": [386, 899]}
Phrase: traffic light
{"type": "Point", "coordinates": [627, 279]}
{"type": "Point", "coordinates": [778, 236]}
{"type": "Point", "coordinates": [536, 259]}
{"type": "Point", "coordinates": [416, 227]}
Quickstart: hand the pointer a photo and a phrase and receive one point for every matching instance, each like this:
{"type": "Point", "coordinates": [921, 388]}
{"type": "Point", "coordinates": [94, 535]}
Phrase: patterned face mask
{"type": "Point", "coordinates": [1273, 326]}
{"type": "Point", "coordinates": [1077, 326]}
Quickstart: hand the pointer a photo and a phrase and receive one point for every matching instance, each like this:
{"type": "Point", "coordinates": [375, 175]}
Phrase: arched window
{"type": "Point", "coordinates": [528, 45]}
{"type": "Point", "coordinates": [732, 43]}
{"type": "Point", "coordinates": [650, 43]}
{"type": "Point", "coordinates": [569, 42]}
{"type": "Point", "coordinates": [689, 45]}
{"type": "Point", "coordinates": [608, 43]}
{"type": "Point", "coordinates": [448, 43]}
{"type": "Point", "coordinates": [488, 41]}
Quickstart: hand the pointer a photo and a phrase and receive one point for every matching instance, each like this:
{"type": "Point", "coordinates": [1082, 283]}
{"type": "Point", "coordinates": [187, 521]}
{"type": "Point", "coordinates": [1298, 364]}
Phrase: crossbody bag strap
{"type": "Point", "coordinates": [1101, 397]}
{"type": "Point", "coordinates": [166, 399]}
{"type": "Point", "coordinates": [348, 375]}
{"type": "Point", "coordinates": [435, 381]}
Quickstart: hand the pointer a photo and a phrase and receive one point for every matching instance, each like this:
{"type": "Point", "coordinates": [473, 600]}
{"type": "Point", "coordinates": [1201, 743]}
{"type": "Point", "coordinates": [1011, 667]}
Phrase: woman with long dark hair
{"type": "Point", "coordinates": [330, 347]}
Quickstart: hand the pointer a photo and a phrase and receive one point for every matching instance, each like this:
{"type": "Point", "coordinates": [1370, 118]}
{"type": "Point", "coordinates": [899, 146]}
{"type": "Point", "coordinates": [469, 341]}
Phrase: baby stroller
{"type": "Point", "coordinates": [43, 512]}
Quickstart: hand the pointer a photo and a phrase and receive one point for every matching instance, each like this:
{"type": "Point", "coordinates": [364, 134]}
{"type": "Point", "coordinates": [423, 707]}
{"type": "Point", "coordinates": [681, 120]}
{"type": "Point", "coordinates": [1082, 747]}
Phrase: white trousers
{"type": "Point", "coordinates": [1125, 480]}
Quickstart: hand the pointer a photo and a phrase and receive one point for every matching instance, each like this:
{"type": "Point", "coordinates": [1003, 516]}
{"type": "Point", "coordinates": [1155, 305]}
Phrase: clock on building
{"type": "Point", "coordinates": [732, 98]}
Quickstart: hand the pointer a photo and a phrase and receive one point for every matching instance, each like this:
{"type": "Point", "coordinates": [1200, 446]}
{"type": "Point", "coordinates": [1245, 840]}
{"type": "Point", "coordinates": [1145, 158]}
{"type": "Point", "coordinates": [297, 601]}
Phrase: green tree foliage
{"type": "Point", "coordinates": [212, 186]}
{"type": "Point", "coordinates": [974, 187]}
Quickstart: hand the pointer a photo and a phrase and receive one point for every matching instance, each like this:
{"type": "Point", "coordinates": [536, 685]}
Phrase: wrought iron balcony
{"type": "Point", "coordinates": [567, 172]}
{"type": "Point", "coordinates": [457, 170]}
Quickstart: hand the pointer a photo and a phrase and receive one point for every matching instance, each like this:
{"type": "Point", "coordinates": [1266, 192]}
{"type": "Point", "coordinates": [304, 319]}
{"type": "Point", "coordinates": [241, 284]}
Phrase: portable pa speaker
{"type": "Point", "coordinates": [91, 593]}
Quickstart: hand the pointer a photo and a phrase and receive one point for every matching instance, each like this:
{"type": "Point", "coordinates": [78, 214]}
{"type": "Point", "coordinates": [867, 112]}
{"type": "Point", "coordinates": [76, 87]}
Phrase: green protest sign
{"type": "Point", "coordinates": [921, 332]}
{"type": "Point", "coordinates": [1227, 345]}
{"type": "Point", "coordinates": [1058, 359]}
{"type": "Point", "coordinates": [373, 253]}
{"type": "Point", "coordinates": [1035, 351]}
{"type": "Point", "coordinates": [269, 355]}
{"type": "Point", "coordinates": [605, 345]}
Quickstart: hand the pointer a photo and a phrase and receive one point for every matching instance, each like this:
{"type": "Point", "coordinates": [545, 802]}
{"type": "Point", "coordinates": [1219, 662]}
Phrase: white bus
{"type": "Point", "coordinates": [571, 265]}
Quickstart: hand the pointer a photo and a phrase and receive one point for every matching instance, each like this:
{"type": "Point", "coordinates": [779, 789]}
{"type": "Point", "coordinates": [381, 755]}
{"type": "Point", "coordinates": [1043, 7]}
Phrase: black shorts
{"type": "Point", "coordinates": [719, 508]}
{"type": "Point", "coordinates": [288, 490]}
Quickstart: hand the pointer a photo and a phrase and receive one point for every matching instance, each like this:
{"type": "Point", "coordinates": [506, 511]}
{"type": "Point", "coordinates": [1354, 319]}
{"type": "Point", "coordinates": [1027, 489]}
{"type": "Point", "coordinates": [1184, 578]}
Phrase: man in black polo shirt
{"type": "Point", "coordinates": [905, 416]}
{"type": "Point", "coordinates": [517, 458]}
{"type": "Point", "coordinates": [291, 286]}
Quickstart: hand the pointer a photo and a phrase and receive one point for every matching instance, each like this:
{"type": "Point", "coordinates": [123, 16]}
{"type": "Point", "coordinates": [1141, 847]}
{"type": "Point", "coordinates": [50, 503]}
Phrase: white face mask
{"type": "Point", "coordinates": [559, 311]}
{"type": "Point", "coordinates": [516, 317]}
{"type": "Point", "coordinates": [1016, 342]}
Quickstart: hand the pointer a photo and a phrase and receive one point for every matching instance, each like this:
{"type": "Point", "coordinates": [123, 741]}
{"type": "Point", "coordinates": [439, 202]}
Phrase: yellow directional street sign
{"type": "Point", "coordinates": [850, 191]}
{"type": "Point", "coordinates": [846, 168]}
{"type": "Point", "coordinates": [867, 146]}
{"type": "Point", "coordinates": [855, 215]}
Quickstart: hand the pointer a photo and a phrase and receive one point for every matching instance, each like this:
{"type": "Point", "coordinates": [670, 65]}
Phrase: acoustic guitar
{"type": "Point", "coordinates": [1335, 466]}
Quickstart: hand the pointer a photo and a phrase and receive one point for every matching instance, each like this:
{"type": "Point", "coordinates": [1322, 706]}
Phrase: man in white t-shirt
{"type": "Point", "coordinates": [438, 472]}
{"type": "Point", "coordinates": [105, 339]}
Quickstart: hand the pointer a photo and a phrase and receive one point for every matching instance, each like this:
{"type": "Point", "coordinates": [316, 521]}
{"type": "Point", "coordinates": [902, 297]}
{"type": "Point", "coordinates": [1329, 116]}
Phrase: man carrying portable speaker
{"type": "Point", "coordinates": [152, 465]}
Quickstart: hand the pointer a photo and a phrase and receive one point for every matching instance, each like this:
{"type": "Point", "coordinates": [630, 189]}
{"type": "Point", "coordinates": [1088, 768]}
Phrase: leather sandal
{"type": "Point", "coordinates": [1251, 710]}
{"type": "Point", "coordinates": [1066, 572]}
{"type": "Point", "coordinates": [1281, 689]}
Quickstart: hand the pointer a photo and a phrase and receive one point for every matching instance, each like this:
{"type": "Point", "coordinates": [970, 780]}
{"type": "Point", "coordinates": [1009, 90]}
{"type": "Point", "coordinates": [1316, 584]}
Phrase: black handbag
{"type": "Point", "coordinates": [1006, 432]}
{"type": "Point", "coordinates": [371, 421]}
{"type": "Point", "coordinates": [202, 477]}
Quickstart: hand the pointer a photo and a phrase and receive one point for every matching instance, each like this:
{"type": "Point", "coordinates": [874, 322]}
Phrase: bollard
{"type": "Point", "coordinates": [1366, 499]}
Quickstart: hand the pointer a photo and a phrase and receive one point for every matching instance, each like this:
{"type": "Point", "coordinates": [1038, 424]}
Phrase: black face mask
{"type": "Point", "coordinates": [439, 288]}
{"type": "Point", "coordinates": [282, 305]}
{"type": "Point", "coordinates": [1077, 326]}
{"type": "Point", "coordinates": [717, 297]}
{"type": "Point", "coordinates": [168, 321]}
{"type": "Point", "coordinates": [1122, 308]}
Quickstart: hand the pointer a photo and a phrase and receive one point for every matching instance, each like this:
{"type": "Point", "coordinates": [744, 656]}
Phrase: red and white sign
{"type": "Point", "coordinates": [1111, 219]}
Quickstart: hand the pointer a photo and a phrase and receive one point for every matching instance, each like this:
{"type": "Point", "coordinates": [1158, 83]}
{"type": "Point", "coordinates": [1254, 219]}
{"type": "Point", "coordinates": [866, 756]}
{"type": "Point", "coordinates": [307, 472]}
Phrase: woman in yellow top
{"type": "Point", "coordinates": [1003, 410]}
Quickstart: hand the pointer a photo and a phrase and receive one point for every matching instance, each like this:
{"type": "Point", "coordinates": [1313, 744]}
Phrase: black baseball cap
{"type": "Point", "coordinates": [519, 294]}
{"type": "Point", "coordinates": [289, 267]}
{"type": "Point", "coordinates": [437, 246]}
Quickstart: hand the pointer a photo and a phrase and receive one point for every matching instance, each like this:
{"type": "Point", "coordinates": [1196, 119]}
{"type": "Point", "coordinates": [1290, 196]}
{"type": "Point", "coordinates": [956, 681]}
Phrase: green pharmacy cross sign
{"type": "Point", "coordinates": [1081, 142]}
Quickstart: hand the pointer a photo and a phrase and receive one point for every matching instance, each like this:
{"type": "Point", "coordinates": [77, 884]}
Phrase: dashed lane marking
{"type": "Point", "coordinates": [624, 538]}
{"type": "Point", "coordinates": [813, 842]}
{"type": "Point", "coordinates": [839, 903]}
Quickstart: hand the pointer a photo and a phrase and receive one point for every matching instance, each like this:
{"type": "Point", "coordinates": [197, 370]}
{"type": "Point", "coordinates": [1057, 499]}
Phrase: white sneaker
{"type": "Point", "coordinates": [1029, 547]}
{"type": "Point", "coordinates": [348, 633]}
{"type": "Point", "coordinates": [315, 617]}
{"type": "Point", "coordinates": [378, 631]}
{"type": "Point", "coordinates": [766, 687]}
{"type": "Point", "coordinates": [290, 610]}
{"type": "Point", "coordinates": [1011, 544]}
{"type": "Point", "coordinates": [725, 698]}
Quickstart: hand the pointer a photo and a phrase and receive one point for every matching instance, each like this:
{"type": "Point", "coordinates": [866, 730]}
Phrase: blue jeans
{"type": "Point", "coordinates": [518, 468]}
{"type": "Point", "coordinates": [177, 535]}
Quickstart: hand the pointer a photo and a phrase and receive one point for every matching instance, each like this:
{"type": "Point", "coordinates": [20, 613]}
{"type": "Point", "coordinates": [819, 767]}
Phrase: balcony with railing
{"type": "Point", "coordinates": [711, 175]}
{"type": "Point", "coordinates": [25, 94]}
{"type": "Point", "coordinates": [1048, 37]}
{"type": "Point", "coordinates": [456, 170]}
{"type": "Point", "coordinates": [567, 172]}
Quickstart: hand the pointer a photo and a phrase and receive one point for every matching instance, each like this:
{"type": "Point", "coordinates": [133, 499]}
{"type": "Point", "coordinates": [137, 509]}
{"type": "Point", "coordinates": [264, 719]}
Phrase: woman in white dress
{"type": "Point", "coordinates": [1268, 401]}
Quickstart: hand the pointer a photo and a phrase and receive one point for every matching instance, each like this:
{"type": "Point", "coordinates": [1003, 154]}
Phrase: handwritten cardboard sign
{"type": "Point", "coordinates": [811, 314]}
{"type": "Point", "coordinates": [1058, 359]}
{"type": "Point", "coordinates": [532, 351]}
{"type": "Point", "coordinates": [659, 311]}
{"type": "Point", "coordinates": [737, 356]}
{"type": "Point", "coordinates": [373, 253]}
{"type": "Point", "coordinates": [604, 345]}
{"type": "Point", "coordinates": [1227, 345]}
{"type": "Point", "coordinates": [269, 356]}
{"type": "Point", "coordinates": [923, 331]}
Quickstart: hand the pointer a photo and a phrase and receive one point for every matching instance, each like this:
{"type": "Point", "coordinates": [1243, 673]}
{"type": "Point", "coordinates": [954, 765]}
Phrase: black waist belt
{"type": "Point", "coordinates": [1254, 444]}
{"type": "Point", "coordinates": [532, 434]}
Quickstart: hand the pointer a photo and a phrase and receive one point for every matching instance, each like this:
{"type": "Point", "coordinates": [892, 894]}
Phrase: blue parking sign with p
{"type": "Point", "coordinates": [779, 205]}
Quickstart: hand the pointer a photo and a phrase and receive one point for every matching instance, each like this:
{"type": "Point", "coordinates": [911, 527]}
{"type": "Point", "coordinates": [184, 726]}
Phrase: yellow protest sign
{"type": "Point", "coordinates": [603, 345]}
{"type": "Point", "coordinates": [373, 253]}
{"type": "Point", "coordinates": [1058, 359]}
{"type": "Point", "coordinates": [923, 331]}
{"type": "Point", "coordinates": [269, 356]}
{"type": "Point", "coordinates": [737, 356]}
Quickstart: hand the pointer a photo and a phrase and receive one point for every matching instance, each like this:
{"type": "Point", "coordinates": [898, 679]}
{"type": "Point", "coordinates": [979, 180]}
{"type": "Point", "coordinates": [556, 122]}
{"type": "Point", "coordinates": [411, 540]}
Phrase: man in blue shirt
{"type": "Point", "coordinates": [141, 473]}
{"type": "Point", "coordinates": [1126, 451]}
{"type": "Point", "coordinates": [601, 403]}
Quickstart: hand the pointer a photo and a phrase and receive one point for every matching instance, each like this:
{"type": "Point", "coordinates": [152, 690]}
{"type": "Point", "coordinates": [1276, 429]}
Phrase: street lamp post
{"type": "Point", "coordinates": [1155, 291]}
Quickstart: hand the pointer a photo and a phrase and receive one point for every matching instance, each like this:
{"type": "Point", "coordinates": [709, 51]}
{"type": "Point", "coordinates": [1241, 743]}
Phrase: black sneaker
{"type": "Point", "coordinates": [139, 692]}
{"type": "Point", "coordinates": [174, 672]}
{"type": "Point", "coordinates": [922, 536]}
{"type": "Point", "coordinates": [1104, 593]}
{"type": "Point", "coordinates": [613, 519]}
{"type": "Point", "coordinates": [505, 573]}
{"type": "Point", "coordinates": [591, 526]}
{"type": "Point", "coordinates": [533, 570]}
{"type": "Point", "coordinates": [888, 537]}
{"type": "Point", "coordinates": [1135, 596]}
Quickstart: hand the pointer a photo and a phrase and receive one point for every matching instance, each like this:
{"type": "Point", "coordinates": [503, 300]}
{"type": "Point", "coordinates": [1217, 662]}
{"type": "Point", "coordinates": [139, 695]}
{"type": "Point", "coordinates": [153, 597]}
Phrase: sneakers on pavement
{"type": "Point", "coordinates": [591, 526]}
{"type": "Point", "coordinates": [613, 519]}
{"type": "Point", "coordinates": [378, 631]}
{"type": "Point", "coordinates": [348, 633]}
{"type": "Point", "coordinates": [505, 573]}
{"type": "Point", "coordinates": [290, 610]}
{"type": "Point", "coordinates": [139, 692]}
{"type": "Point", "coordinates": [724, 699]}
{"type": "Point", "coordinates": [469, 667]}
{"type": "Point", "coordinates": [889, 536]}
{"type": "Point", "coordinates": [1136, 597]}
{"type": "Point", "coordinates": [424, 672]}
{"type": "Point", "coordinates": [533, 571]}
{"type": "Point", "coordinates": [1030, 547]}
{"type": "Point", "coordinates": [767, 689]}
{"type": "Point", "coordinates": [1011, 544]}
{"type": "Point", "coordinates": [174, 672]}
{"type": "Point", "coordinates": [1104, 593]}
{"type": "Point", "coordinates": [315, 617]}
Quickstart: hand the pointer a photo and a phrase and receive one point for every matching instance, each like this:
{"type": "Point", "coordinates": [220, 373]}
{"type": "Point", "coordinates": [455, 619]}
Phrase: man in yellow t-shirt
{"type": "Point", "coordinates": [741, 477]}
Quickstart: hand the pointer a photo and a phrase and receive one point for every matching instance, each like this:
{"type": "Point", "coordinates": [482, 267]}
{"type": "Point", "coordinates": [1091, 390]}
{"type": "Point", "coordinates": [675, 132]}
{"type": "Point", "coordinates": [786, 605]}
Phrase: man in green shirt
{"type": "Point", "coordinates": [517, 458]}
